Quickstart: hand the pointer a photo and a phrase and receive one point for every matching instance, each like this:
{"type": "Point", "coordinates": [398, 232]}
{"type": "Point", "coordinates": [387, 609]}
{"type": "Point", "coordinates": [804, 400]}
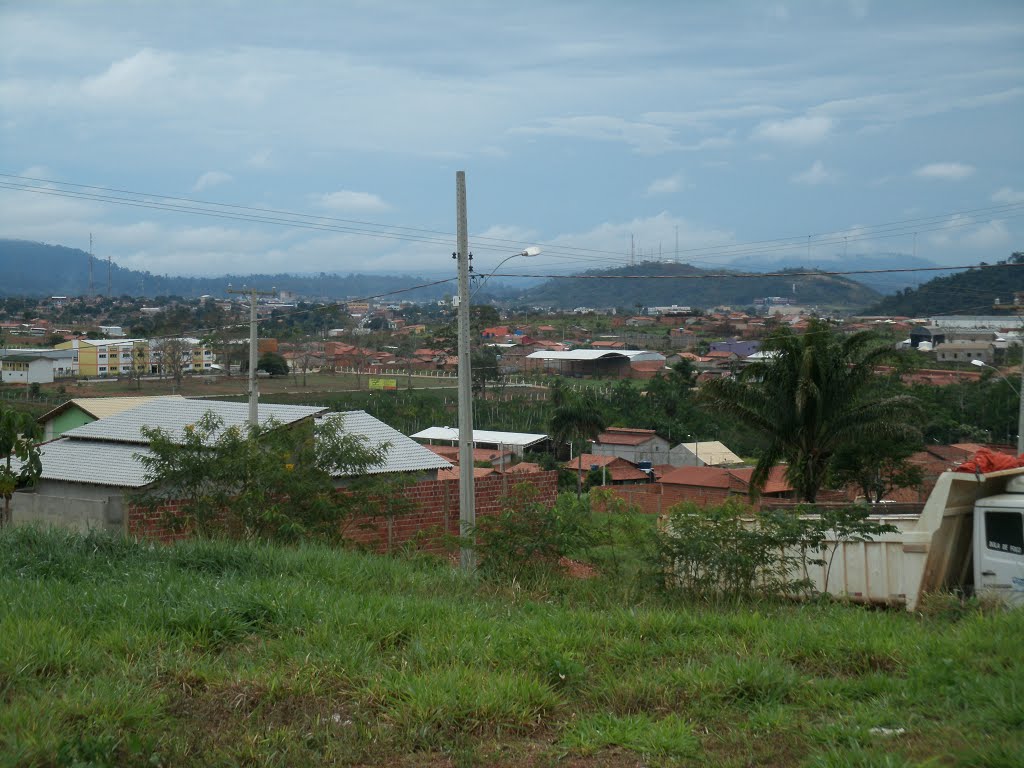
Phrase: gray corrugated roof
{"type": "Point", "coordinates": [174, 415]}
{"type": "Point", "coordinates": [404, 453]}
{"type": "Point", "coordinates": [524, 439]}
{"type": "Point", "coordinates": [96, 463]}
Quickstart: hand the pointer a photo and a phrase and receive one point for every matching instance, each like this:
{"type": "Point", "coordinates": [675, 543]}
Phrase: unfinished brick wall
{"type": "Point", "coordinates": [151, 524]}
{"type": "Point", "coordinates": [435, 513]}
{"type": "Point", "coordinates": [658, 498]}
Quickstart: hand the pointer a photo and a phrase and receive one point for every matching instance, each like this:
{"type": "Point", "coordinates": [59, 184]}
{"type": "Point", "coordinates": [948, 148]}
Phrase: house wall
{"type": "Point", "coordinates": [655, 450]}
{"type": "Point", "coordinates": [83, 513]}
{"type": "Point", "coordinates": [71, 418]}
{"type": "Point", "coordinates": [435, 513]}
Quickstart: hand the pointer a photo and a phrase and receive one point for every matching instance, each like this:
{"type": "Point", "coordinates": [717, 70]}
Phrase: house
{"type": "Point", "coordinates": [634, 445]}
{"type": "Point", "coordinates": [85, 410]}
{"type": "Point", "coordinates": [88, 473]}
{"type": "Point", "coordinates": [25, 368]}
{"type": "Point", "coordinates": [736, 346]}
{"type": "Point", "coordinates": [713, 485]}
{"type": "Point", "coordinates": [965, 352]}
{"type": "Point", "coordinates": [614, 470]}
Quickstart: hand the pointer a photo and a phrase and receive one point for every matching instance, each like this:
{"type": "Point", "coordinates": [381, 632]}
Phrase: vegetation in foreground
{"type": "Point", "coordinates": [218, 653]}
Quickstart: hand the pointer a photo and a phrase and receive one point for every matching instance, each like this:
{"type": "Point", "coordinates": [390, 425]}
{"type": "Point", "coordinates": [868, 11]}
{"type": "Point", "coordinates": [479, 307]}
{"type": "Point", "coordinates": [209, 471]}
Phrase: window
{"type": "Point", "coordinates": [1004, 532]}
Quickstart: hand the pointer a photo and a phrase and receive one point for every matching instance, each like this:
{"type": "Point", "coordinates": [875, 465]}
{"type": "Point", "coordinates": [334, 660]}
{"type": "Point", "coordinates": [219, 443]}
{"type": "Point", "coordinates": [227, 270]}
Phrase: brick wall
{"type": "Point", "coordinates": [151, 524]}
{"type": "Point", "coordinates": [435, 513]}
{"type": "Point", "coordinates": [657, 498]}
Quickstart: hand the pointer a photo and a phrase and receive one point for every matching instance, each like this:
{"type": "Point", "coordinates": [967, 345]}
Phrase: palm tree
{"type": "Point", "coordinates": [576, 418]}
{"type": "Point", "coordinates": [812, 396]}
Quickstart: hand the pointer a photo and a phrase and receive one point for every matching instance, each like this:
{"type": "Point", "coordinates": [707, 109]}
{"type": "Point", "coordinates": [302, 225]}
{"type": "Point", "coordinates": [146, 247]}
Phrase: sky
{"type": "Point", "coordinates": [714, 133]}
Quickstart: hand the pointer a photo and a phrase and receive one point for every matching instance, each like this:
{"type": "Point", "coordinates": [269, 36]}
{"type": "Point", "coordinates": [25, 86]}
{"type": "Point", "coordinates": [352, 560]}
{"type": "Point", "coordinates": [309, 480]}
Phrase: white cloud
{"type": "Point", "coordinates": [211, 179]}
{"type": "Point", "coordinates": [1007, 195]}
{"type": "Point", "coordinates": [124, 79]}
{"type": "Point", "coordinates": [665, 186]}
{"type": "Point", "coordinates": [816, 174]}
{"type": "Point", "coordinates": [960, 231]}
{"type": "Point", "coordinates": [259, 159]}
{"type": "Point", "coordinates": [797, 130]}
{"type": "Point", "coordinates": [945, 171]}
{"type": "Point", "coordinates": [347, 201]}
{"type": "Point", "coordinates": [645, 138]}
{"type": "Point", "coordinates": [990, 234]}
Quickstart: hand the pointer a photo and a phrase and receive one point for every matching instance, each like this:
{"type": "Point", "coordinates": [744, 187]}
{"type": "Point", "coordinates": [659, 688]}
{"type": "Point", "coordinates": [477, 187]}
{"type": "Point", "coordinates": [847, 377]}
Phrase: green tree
{"type": "Point", "coordinates": [576, 418]}
{"type": "Point", "coordinates": [877, 469]}
{"type": "Point", "coordinates": [814, 395]}
{"type": "Point", "coordinates": [272, 363]}
{"type": "Point", "coordinates": [19, 454]}
{"type": "Point", "coordinates": [268, 482]}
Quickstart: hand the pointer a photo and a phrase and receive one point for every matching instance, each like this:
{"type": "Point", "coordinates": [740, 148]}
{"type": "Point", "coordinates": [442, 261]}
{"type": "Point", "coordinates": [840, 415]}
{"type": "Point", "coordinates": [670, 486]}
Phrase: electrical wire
{"type": "Point", "coordinates": [230, 211]}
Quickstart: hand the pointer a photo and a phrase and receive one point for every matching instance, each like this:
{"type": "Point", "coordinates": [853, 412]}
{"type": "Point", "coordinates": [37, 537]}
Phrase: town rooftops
{"type": "Point", "coordinates": [174, 416]}
{"type": "Point", "coordinates": [451, 434]}
{"type": "Point", "coordinates": [595, 354]}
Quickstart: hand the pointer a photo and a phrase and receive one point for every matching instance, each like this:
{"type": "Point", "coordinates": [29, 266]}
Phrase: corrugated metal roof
{"type": "Point", "coordinates": [522, 439]}
{"type": "Point", "coordinates": [95, 463]}
{"type": "Point", "coordinates": [174, 415]}
{"type": "Point", "coordinates": [103, 407]}
{"type": "Point", "coordinates": [595, 354]}
{"type": "Point", "coordinates": [404, 454]}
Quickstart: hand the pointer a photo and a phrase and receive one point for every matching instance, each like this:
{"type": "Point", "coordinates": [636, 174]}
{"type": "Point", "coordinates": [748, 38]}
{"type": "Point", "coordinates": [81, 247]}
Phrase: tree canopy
{"type": "Point", "coordinates": [813, 396]}
{"type": "Point", "coordinates": [20, 464]}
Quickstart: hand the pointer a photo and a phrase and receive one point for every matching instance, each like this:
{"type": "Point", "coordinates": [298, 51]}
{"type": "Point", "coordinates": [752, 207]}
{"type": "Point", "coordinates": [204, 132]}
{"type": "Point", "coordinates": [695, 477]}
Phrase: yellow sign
{"type": "Point", "coordinates": [378, 383]}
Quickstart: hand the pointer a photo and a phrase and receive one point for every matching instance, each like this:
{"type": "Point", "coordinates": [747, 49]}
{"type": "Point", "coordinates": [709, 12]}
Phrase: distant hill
{"type": "Point", "coordinates": [693, 287]}
{"type": "Point", "coordinates": [884, 283]}
{"type": "Point", "coordinates": [968, 293]}
{"type": "Point", "coordinates": [38, 269]}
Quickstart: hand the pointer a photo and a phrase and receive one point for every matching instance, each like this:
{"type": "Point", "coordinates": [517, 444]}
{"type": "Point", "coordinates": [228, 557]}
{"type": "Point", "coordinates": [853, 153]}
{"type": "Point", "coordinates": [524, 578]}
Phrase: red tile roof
{"type": "Point", "coordinates": [625, 435]}
{"type": "Point", "coordinates": [705, 477]}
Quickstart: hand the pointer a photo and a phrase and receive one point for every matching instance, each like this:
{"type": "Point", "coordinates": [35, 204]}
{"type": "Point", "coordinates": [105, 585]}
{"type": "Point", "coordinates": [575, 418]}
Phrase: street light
{"type": "Point", "coordinates": [1020, 410]}
{"type": "Point", "coordinates": [525, 253]}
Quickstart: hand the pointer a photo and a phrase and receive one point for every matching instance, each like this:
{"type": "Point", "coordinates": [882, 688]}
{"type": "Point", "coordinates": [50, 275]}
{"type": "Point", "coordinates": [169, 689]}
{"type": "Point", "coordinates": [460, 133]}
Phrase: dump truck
{"type": "Point", "coordinates": [969, 537]}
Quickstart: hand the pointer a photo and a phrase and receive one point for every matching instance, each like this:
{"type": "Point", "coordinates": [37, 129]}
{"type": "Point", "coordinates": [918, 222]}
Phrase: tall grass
{"type": "Point", "coordinates": [214, 653]}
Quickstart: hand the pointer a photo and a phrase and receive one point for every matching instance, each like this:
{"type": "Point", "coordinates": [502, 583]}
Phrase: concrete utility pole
{"type": "Point", "coordinates": [254, 392]}
{"type": "Point", "coordinates": [467, 497]}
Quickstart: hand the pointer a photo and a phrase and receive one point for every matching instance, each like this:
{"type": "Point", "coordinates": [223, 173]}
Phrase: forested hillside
{"type": "Point", "coordinates": [40, 269]}
{"type": "Point", "coordinates": [969, 293]}
{"type": "Point", "coordinates": [668, 283]}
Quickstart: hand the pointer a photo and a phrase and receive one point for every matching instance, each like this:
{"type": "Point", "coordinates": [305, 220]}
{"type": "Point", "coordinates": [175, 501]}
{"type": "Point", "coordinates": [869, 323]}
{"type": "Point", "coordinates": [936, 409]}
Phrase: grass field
{"type": "Point", "coordinates": [210, 653]}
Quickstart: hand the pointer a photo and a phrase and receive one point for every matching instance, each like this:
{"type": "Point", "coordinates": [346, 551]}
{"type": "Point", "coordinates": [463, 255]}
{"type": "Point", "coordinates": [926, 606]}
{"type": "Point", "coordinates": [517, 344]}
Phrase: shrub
{"type": "Point", "coordinates": [730, 551]}
{"type": "Point", "coordinates": [528, 538]}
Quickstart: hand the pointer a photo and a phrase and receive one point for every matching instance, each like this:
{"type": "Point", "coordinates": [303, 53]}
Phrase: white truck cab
{"type": "Point", "coordinates": [999, 544]}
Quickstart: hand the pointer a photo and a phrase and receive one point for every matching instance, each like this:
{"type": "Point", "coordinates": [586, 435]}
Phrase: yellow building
{"type": "Point", "coordinates": [120, 357]}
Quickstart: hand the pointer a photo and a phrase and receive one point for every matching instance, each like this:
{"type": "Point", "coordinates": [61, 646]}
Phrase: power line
{"type": "Point", "coordinates": [230, 211]}
{"type": "Point", "coordinates": [755, 275]}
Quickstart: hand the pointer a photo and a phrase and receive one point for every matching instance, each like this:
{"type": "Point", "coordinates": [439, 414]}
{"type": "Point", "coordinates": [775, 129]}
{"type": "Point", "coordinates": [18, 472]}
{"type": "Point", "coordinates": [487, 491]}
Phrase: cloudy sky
{"type": "Point", "coordinates": [721, 132]}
